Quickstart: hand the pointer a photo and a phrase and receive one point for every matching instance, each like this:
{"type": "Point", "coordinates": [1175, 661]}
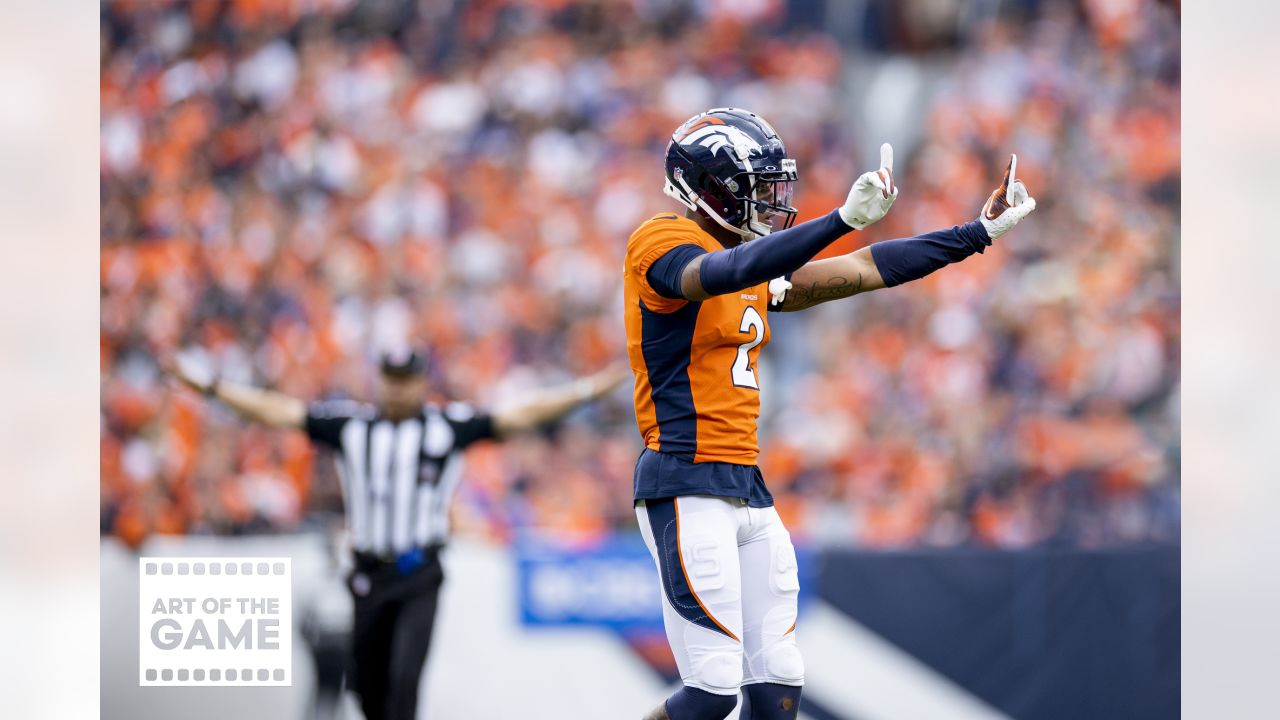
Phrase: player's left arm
{"type": "Point", "coordinates": [553, 403]}
{"type": "Point", "coordinates": [894, 262]}
{"type": "Point", "coordinates": [831, 279]}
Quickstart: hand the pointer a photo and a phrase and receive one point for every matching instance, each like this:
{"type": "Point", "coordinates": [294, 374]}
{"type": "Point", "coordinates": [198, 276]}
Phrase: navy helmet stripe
{"type": "Point", "coordinates": [666, 539]}
{"type": "Point", "coordinates": [665, 342]}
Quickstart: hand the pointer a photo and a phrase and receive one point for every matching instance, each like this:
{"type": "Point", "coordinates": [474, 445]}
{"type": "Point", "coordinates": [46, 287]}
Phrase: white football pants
{"type": "Point", "coordinates": [729, 589]}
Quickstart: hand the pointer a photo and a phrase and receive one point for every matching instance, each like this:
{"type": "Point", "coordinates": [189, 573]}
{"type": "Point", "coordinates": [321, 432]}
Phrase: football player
{"type": "Point", "coordinates": [698, 288]}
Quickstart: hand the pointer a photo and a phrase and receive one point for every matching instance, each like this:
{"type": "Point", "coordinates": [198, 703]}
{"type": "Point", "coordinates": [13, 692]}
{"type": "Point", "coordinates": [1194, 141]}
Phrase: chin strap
{"type": "Point", "coordinates": [690, 199]}
{"type": "Point", "coordinates": [674, 193]}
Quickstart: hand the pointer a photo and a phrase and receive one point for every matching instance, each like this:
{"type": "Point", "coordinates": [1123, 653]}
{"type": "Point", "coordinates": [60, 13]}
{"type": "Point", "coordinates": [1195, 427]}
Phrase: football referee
{"type": "Point", "coordinates": [399, 467]}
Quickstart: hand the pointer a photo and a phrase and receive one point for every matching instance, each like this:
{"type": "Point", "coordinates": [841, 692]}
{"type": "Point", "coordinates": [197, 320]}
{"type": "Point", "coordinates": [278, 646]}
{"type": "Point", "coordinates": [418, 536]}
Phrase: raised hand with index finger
{"type": "Point", "coordinates": [872, 194]}
{"type": "Point", "coordinates": [1008, 204]}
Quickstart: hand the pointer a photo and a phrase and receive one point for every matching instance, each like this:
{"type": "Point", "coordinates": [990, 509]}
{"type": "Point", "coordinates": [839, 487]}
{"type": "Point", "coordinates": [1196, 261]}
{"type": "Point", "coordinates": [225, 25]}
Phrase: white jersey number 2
{"type": "Point", "coordinates": [743, 374]}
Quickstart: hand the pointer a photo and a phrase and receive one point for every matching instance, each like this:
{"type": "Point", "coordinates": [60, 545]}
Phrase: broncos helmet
{"type": "Point", "coordinates": [730, 166]}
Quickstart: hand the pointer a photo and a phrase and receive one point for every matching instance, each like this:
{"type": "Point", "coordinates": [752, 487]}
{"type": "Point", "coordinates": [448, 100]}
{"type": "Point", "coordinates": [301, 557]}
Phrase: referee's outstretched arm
{"type": "Point", "coordinates": [268, 407]}
{"type": "Point", "coordinates": [275, 409]}
{"type": "Point", "coordinates": [553, 403]}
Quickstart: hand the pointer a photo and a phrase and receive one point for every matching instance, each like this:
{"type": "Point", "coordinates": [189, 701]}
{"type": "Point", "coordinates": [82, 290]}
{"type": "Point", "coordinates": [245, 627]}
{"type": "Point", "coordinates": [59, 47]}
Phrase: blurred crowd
{"type": "Point", "coordinates": [291, 186]}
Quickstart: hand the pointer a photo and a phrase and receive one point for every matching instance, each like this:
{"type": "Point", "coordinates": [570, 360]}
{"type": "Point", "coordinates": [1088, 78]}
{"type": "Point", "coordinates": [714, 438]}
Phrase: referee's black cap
{"type": "Point", "coordinates": [403, 364]}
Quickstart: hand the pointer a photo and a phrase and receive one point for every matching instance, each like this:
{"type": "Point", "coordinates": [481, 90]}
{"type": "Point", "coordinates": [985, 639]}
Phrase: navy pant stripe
{"type": "Point", "coordinates": [662, 523]}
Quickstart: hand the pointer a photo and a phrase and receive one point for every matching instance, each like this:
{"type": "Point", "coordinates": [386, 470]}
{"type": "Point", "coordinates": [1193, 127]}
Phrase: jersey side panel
{"type": "Point", "coordinates": [646, 413]}
{"type": "Point", "coordinates": [666, 349]}
{"type": "Point", "coordinates": [659, 337]}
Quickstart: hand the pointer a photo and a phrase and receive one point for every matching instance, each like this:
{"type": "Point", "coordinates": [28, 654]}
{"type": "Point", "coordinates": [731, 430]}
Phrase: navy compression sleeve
{"type": "Point", "coordinates": [664, 274]}
{"type": "Point", "coordinates": [909, 259]}
{"type": "Point", "coordinates": [771, 256]}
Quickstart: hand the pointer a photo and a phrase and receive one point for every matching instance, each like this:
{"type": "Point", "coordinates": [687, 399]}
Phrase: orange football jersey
{"type": "Point", "coordinates": [697, 393]}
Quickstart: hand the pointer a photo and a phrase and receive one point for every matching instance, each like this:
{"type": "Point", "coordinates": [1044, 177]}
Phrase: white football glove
{"type": "Point", "coordinates": [1008, 203]}
{"type": "Point", "coordinates": [872, 195]}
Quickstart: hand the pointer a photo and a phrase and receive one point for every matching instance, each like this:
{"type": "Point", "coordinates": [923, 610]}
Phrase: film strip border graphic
{"type": "Point", "coordinates": [216, 675]}
{"type": "Point", "coordinates": [231, 568]}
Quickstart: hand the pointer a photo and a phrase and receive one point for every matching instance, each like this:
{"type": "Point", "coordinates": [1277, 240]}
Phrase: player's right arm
{"type": "Point", "coordinates": [268, 407]}
{"type": "Point", "coordinates": [689, 272]}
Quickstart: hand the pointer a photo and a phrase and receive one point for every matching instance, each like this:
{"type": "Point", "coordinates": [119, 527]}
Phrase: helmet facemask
{"type": "Point", "coordinates": [771, 208]}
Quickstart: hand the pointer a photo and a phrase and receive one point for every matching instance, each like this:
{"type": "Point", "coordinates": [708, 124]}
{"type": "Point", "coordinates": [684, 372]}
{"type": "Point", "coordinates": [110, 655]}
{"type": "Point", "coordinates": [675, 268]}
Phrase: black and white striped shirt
{"type": "Point", "coordinates": [398, 478]}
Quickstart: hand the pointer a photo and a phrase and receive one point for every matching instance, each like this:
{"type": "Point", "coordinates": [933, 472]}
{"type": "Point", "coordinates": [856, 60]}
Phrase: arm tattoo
{"type": "Point", "coordinates": [801, 296]}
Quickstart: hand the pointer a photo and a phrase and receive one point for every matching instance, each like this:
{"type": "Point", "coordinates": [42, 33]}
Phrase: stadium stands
{"type": "Point", "coordinates": [287, 184]}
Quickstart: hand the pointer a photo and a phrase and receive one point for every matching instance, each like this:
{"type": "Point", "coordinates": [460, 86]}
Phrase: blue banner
{"type": "Point", "coordinates": [610, 583]}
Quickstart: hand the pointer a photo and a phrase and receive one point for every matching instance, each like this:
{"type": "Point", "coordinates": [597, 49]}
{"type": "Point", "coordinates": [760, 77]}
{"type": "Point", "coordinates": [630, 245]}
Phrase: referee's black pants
{"type": "Point", "coordinates": [395, 610]}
